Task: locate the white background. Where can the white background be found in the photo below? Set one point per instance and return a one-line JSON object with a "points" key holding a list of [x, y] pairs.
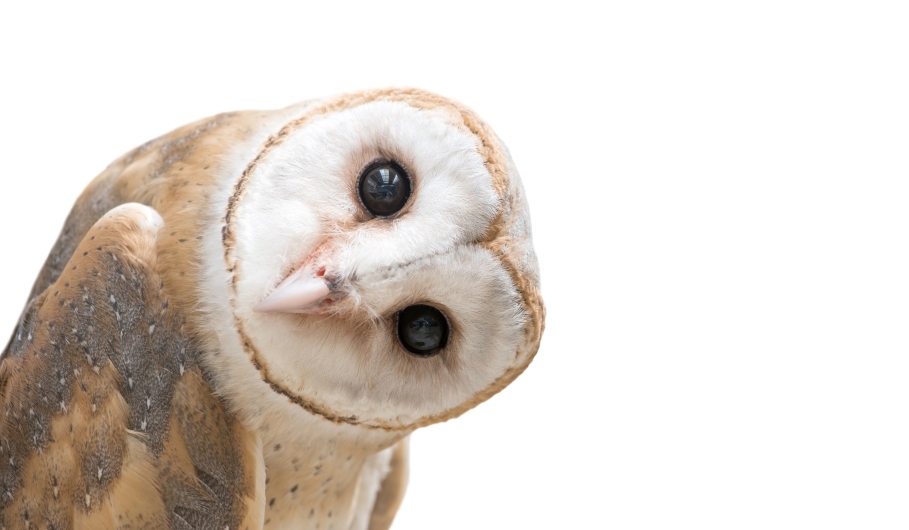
{"points": [[719, 197]]}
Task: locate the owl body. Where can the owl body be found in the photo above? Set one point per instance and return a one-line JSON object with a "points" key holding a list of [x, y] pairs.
{"points": [[221, 337]]}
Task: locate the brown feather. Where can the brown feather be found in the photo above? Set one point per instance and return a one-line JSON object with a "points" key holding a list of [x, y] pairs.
{"points": [[107, 415]]}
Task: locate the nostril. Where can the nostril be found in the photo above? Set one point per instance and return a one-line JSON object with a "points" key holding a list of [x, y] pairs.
{"points": [[321, 272]]}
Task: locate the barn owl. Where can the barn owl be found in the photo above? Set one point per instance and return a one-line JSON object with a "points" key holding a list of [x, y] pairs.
{"points": [[242, 321]]}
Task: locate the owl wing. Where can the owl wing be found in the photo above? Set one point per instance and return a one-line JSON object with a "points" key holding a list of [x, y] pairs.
{"points": [[108, 420], [391, 491]]}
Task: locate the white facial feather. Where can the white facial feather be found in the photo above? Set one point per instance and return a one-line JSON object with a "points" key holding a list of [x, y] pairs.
{"points": [[302, 197]]}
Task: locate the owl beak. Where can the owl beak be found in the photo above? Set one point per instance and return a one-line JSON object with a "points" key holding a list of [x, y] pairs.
{"points": [[301, 292]]}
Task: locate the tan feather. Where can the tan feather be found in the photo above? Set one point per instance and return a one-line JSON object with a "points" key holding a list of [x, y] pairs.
{"points": [[391, 493], [96, 432]]}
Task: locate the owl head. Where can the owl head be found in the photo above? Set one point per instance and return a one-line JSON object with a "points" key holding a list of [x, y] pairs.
{"points": [[377, 261]]}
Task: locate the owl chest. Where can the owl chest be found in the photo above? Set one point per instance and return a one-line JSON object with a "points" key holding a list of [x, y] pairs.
{"points": [[319, 487]]}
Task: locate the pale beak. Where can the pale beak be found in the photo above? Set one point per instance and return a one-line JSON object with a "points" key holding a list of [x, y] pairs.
{"points": [[301, 292]]}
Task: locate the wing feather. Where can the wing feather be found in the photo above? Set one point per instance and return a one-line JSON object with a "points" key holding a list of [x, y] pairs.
{"points": [[391, 492], [107, 418]]}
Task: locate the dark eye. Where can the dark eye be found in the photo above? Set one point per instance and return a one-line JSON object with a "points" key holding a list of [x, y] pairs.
{"points": [[384, 189], [422, 330]]}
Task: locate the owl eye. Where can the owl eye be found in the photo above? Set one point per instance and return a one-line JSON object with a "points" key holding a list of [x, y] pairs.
{"points": [[422, 330], [384, 189]]}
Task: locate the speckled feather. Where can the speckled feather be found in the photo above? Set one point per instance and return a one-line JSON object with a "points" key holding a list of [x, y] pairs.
{"points": [[109, 421]]}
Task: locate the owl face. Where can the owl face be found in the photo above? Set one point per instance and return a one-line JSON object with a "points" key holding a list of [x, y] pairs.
{"points": [[366, 282]]}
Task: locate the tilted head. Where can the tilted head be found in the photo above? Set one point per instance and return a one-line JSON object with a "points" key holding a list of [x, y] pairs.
{"points": [[378, 261]]}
